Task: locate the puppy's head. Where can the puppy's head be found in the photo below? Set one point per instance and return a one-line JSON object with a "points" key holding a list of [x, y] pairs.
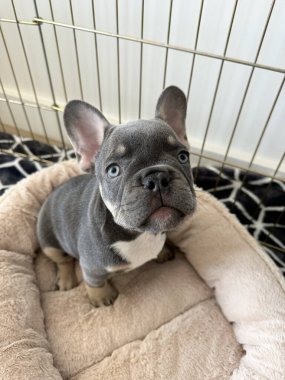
{"points": [[142, 167]]}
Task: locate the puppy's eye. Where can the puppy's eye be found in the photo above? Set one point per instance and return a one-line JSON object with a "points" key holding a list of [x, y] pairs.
{"points": [[183, 157], [113, 171]]}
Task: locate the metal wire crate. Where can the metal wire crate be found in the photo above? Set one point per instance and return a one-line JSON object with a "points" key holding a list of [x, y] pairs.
{"points": [[119, 55]]}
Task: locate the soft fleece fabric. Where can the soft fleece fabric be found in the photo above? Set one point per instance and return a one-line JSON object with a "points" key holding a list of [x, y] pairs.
{"points": [[216, 312]]}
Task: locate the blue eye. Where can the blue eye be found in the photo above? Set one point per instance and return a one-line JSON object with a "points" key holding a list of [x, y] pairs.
{"points": [[113, 171], [183, 157]]}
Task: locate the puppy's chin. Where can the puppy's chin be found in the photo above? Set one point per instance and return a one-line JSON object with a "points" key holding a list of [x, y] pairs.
{"points": [[163, 219]]}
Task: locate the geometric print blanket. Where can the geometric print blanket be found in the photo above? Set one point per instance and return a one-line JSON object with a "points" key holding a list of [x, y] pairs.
{"points": [[257, 201], [259, 204]]}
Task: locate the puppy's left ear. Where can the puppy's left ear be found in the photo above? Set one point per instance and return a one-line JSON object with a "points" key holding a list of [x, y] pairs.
{"points": [[171, 107]]}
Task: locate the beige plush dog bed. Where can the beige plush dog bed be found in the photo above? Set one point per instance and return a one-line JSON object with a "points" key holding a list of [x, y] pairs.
{"points": [[217, 312]]}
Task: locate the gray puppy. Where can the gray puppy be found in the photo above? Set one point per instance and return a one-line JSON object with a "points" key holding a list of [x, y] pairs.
{"points": [[138, 186]]}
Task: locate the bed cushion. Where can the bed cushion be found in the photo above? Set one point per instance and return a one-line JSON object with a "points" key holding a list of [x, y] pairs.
{"points": [[215, 312]]}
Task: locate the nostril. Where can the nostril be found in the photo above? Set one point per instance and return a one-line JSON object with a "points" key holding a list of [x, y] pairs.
{"points": [[164, 182], [150, 185], [157, 181]]}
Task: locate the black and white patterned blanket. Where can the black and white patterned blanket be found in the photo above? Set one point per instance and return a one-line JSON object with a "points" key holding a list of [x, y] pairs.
{"points": [[259, 204]]}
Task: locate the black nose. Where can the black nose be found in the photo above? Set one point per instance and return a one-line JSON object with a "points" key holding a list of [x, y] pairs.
{"points": [[156, 181]]}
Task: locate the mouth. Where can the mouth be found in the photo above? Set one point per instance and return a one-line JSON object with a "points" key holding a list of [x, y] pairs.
{"points": [[164, 218], [164, 213]]}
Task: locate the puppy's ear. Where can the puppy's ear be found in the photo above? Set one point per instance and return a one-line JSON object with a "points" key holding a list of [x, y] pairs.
{"points": [[171, 107], [85, 127]]}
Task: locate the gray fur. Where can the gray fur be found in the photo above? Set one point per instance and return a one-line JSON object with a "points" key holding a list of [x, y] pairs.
{"points": [[87, 214]]}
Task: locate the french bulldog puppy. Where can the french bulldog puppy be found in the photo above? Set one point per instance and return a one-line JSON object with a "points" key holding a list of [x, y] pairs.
{"points": [[137, 186]]}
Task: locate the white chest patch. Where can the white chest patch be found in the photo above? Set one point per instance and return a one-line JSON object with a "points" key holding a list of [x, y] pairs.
{"points": [[140, 250]]}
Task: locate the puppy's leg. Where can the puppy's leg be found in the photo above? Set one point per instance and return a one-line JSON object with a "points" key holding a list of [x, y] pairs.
{"points": [[66, 278], [167, 253], [104, 295]]}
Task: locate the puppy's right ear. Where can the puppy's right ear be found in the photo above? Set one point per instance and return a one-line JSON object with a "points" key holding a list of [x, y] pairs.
{"points": [[85, 126]]}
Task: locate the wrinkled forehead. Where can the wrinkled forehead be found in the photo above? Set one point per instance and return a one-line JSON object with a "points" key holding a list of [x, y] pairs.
{"points": [[143, 134]]}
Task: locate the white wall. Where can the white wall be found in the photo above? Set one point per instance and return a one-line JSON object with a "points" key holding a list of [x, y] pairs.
{"points": [[246, 33]]}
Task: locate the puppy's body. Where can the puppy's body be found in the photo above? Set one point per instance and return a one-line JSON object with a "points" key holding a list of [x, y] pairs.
{"points": [[90, 234], [116, 218]]}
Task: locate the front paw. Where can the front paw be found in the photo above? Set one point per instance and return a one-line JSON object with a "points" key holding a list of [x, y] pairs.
{"points": [[66, 282], [105, 295], [66, 278]]}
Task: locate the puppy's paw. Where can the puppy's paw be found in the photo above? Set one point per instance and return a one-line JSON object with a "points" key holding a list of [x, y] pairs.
{"points": [[105, 295], [167, 253], [66, 281]]}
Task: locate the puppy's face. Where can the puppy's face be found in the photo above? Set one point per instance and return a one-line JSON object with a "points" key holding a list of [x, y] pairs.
{"points": [[142, 167], [145, 176]]}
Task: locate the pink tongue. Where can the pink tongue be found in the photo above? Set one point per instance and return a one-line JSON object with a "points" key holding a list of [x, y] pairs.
{"points": [[163, 213]]}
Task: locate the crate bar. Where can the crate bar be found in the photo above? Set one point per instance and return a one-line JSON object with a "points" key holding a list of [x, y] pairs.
{"points": [[195, 49], [275, 224], [245, 92], [24, 22], [38, 20], [31, 78], [50, 80], [10, 110], [141, 60], [17, 84], [235, 166], [76, 51], [272, 246], [261, 201], [266, 192], [97, 57], [261, 135], [118, 64], [168, 37], [269, 234], [31, 105], [217, 85], [58, 53], [2, 125]]}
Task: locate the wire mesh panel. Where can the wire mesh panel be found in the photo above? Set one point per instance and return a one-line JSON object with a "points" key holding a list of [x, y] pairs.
{"points": [[227, 56]]}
